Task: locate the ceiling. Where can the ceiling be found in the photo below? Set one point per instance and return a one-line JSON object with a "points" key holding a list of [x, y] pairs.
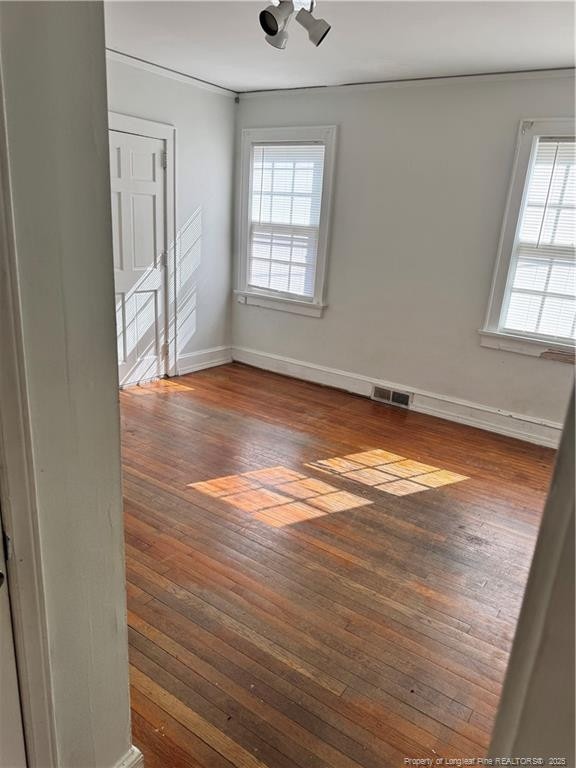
{"points": [[221, 42]]}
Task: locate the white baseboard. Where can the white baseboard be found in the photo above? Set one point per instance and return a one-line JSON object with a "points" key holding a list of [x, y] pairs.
{"points": [[204, 358], [132, 759], [529, 428]]}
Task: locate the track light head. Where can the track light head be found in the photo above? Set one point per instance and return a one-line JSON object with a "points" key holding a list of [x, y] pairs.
{"points": [[274, 20], [279, 40], [317, 28]]}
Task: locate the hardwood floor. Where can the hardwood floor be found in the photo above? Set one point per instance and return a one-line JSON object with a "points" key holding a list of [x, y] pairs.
{"points": [[267, 629]]}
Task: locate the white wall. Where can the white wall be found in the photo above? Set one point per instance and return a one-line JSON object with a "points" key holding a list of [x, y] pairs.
{"points": [[53, 70], [536, 713], [204, 123], [422, 173]]}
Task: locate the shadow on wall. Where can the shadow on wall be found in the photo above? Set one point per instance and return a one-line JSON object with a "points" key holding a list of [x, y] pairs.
{"points": [[189, 258]]}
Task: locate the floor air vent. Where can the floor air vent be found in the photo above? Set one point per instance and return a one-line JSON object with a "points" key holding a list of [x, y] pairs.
{"points": [[391, 396]]}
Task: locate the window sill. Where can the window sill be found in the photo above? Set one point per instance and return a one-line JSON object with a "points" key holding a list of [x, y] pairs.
{"points": [[280, 303], [547, 350]]}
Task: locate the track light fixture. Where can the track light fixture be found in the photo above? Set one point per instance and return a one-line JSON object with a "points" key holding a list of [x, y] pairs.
{"points": [[317, 28], [275, 19]]}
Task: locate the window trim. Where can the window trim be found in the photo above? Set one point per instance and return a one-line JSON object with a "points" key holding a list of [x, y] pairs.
{"points": [[287, 302], [492, 335]]}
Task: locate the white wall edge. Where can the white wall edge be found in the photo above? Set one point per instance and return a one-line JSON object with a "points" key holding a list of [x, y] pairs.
{"points": [[158, 69], [528, 74], [508, 423], [132, 759], [204, 358]]}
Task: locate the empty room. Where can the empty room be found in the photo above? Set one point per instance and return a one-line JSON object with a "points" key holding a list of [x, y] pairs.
{"points": [[289, 325]]}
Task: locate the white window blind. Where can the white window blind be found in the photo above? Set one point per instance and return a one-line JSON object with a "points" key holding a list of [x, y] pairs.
{"points": [[286, 186], [541, 290]]}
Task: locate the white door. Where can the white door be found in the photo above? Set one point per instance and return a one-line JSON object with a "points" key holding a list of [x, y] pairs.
{"points": [[137, 177], [12, 753]]}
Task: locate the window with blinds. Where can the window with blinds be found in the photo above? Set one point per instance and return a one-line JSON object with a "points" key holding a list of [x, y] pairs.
{"points": [[540, 299], [286, 201]]}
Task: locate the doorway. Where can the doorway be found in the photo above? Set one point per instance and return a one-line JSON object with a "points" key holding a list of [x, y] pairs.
{"points": [[141, 177]]}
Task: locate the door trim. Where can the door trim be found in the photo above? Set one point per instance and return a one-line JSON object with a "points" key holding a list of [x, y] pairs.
{"points": [[150, 129], [14, 726], [19, 503]]}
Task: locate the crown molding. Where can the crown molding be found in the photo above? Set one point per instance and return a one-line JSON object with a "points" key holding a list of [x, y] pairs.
{"points": [[158, 69], [528, 74]]}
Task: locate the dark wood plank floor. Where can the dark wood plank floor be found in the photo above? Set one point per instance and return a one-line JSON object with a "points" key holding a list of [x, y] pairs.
{"points": [[354, 638]]}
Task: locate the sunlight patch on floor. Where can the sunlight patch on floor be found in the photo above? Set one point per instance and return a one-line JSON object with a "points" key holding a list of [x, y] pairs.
{"points": [[276, 495], [280, 496], [387, 472], [157, 386]]}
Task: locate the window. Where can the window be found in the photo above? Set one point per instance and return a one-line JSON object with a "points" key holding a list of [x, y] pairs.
{"points": [[285, 203], [534, 291], [285, 220], [540, 293]]}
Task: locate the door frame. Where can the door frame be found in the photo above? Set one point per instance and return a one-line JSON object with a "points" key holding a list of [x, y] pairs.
{"points": [[19, 502], [140, 126], [15, 727]]}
